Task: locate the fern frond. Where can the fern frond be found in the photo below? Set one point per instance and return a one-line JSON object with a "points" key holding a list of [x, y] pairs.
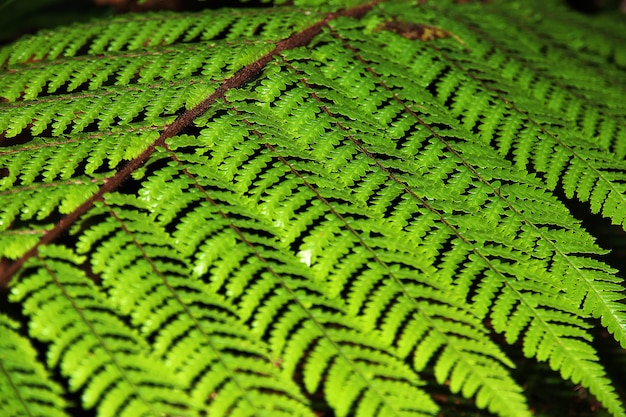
{"points": [[552, 238], [313, 210], [274, 296], [197, 334], [558, 143], [26, 388], [470, 371], [93, 348]]}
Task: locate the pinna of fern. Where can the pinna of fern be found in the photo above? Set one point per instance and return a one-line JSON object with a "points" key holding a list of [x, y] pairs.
{"points": [[288, 212]]}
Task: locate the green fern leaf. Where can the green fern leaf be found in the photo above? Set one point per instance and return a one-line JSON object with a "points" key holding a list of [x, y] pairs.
{"points": [[114, 373], [337, 209], [25, 385]]}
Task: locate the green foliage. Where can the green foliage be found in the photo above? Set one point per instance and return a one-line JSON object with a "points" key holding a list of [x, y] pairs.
{"points": [[199, 218], [25, 387]]}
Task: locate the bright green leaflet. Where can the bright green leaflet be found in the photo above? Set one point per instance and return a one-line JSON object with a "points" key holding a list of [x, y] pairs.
{"points": [[371, 217]]}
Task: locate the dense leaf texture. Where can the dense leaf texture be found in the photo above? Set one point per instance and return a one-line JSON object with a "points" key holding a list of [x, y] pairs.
{"points": [[338, 234]]}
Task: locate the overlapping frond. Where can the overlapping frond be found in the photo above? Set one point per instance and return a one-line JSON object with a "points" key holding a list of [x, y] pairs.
{"points": [[26, 388], [565, 125], [196, 332], [109, 103], [91, 344], [341, 229]]}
